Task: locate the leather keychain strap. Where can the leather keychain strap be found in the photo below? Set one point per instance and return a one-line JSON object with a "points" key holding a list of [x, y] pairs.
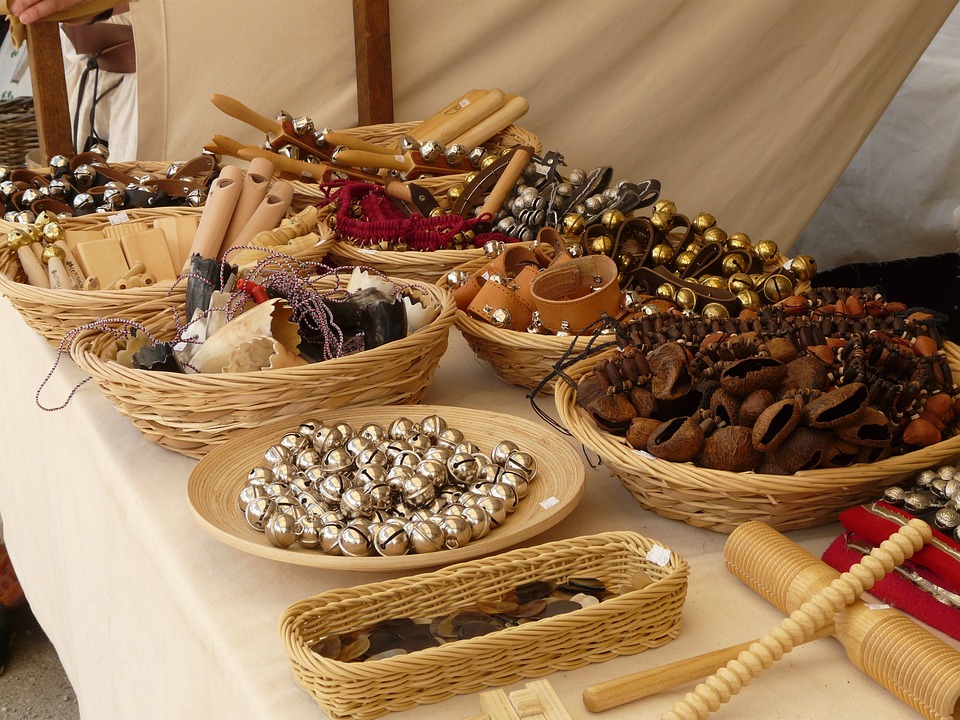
{"points": [[573, 295]]}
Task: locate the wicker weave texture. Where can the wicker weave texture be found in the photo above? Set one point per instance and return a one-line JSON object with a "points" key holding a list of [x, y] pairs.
{"points": [[722, 501], [18, 131], [626, 624], [191, 414]]}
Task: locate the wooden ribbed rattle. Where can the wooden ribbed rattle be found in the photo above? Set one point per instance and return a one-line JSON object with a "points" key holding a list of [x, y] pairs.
{"points": [[811, 617]]}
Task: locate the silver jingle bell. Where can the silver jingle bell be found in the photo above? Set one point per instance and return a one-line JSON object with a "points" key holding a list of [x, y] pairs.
{"points": [[285, 471], [370, 475], [397, 476], [196, 198], [372, 456], [276, 488], [332, 487], [57, 190], [465, 446], [454, 508], [437, 505], [328, 438], [433, 471], [431, 150], [456, 279], [295, 442], [307, 530], [308, 458], [916, 501], [261, 475], [432, 426], [395, 448], [391, 540], [308, 428], [438, 452], [456, 531], [420, 443], [947, 472], [501, 451], [926, 477], [83, 201], [450, 438], [455, 153], [358, 443], [463, 468], [373, 431], [489, 472], [259, 511], [478, 519], [946, 518], [517, 481], [280, 530], [406, 458], [84, 176], [248, 493], [401, 428], [417, 491], [495, 508], [475, 157], [59, 164], [507, 494], [355, 541], [354, 503], [114, 198], [346, 431], [337, 460], [425, 536], [482, 487], [277, 454], [303, 126], [522, 462], [379, 493], [493, 248], [329, 538]]}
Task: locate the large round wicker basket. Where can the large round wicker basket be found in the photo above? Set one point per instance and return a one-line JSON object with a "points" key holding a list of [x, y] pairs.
{"points": [[192, 414], [424, 266], [720, 500], [53, 313]]}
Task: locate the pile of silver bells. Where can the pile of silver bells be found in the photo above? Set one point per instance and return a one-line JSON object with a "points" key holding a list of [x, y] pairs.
{"points": [[406, 488], [936, 492]]}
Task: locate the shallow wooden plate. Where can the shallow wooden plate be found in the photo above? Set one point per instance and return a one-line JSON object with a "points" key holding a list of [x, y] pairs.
{"points": [[216, 481]]}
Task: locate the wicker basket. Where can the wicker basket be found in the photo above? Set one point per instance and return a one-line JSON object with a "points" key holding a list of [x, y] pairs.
{"points": [[720, 500], [424, 266], [18, 131], [54, 313], [625, 624], [192, 414]]}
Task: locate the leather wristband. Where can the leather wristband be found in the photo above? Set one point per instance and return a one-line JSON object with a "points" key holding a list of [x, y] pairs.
{"points": [[495, 296], [573, 295]]}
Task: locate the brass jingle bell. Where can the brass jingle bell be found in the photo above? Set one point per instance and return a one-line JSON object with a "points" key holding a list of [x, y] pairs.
{"points": [[433, 471], [804, 267], [666, 291], [456, 531], [53, 231], [495, 508], [735, 261], [258, 511], [425, 536], [418, 491], [478, 519], [740, 241], [373, 431], [738, 282], [626, 262], [749, 300], [391, 540], [600, 245], [572, 225], [662, 221], [507, 494], [523, 462], [454, 193], [702, 222], [17, 237], [329, 538], [777, 287], [715, 235], [432, 426], [517, 481], [354, 503], [307, 530], [767, 250], [667, 206], [715, 311], [281, 530], [502, 450], [662, 254], [684, 259], [686, 299], [355, 541], [44, 218], [401, 428], [612, 219]]}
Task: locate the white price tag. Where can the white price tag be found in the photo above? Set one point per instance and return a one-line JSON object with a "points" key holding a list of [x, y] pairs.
{"points": [[877, 605], [549, 502], [120, 217], [658, 555], [645, 454]]}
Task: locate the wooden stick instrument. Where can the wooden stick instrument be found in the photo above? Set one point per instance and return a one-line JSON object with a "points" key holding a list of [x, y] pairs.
{"points": [[512, 110]]}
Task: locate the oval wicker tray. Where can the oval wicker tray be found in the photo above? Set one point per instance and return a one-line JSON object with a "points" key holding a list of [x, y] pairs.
{"points": [[216, 482], [720, 500], [622, 625], [192, 414]]}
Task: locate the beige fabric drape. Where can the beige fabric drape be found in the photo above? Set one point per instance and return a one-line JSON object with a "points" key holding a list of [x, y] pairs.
{"points": [[748, 110]]}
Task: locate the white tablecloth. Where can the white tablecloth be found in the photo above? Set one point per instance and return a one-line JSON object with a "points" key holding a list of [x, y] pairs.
{"points": [[154, 618]]}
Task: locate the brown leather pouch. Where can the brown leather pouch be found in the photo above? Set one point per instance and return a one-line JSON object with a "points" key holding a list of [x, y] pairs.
{"points": [[111, 44]]}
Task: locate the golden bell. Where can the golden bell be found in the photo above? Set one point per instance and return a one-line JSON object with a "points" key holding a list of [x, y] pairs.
{"points": [[713, 281], [738, 282], [735, 262], [667, 206], [686, 299], [601, 245], [52, 232], [767, 250], [611, 219], [626, 261], [715, 311], [740, 241], [777, 287], [437, 212], [17, 237], [45, 217], [35, 233], [683, 259], [469, 177], [51, 251], [666, 291], [662, 254], [487, 161], [662, 220], [573, 224], [703, 221], [749, 300], [804, 266], [454, 193], [758, 280], [714, 234]]}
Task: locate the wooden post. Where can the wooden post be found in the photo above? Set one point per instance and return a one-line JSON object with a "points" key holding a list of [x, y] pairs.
{"points": [[371, 32], [49, 90]]}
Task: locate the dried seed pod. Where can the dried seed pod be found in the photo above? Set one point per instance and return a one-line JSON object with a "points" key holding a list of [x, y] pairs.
{"points": [[729, 448], [726, 406], [781, 349], [678, 440], [644, 402], [754, 404], [638, 434], [925, 346], [612, 412], [803, 450], [840, 406], [776, 424], [873, 429], [742, 377], [589, 388], [808, 372]]}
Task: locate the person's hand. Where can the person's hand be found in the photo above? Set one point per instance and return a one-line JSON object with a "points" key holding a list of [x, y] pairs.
{"points": [[29, 11]]}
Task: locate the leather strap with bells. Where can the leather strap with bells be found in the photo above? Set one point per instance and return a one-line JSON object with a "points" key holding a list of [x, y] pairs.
{"points": [[649, 279], [573, 295], [502, 302]]}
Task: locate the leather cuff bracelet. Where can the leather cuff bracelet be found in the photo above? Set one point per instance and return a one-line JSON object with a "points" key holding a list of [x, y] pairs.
{"points": [[573, 295]]}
